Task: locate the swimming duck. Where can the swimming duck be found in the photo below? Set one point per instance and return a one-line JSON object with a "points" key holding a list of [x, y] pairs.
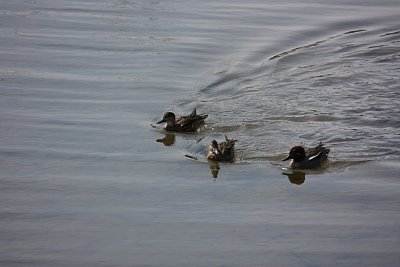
{"points": [[310, 159], [224, 152], [184, 124]]}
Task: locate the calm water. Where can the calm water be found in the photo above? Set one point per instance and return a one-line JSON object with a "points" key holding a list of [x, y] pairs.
{"points": [[84, 182]]}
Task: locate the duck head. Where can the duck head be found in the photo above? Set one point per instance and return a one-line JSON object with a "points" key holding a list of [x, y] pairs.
{"points": [[214, 144], [168, 117], [297, 153], [214, 149]]}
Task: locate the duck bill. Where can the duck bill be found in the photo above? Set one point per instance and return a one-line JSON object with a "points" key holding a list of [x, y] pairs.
{"points": [[161, 121], [287, 158]]}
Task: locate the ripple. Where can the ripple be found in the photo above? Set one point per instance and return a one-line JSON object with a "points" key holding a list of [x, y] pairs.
{"points": [[339, 90]]}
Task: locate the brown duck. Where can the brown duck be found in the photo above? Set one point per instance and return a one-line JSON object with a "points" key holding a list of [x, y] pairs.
{"points": [[223, 152], [184, 124]]}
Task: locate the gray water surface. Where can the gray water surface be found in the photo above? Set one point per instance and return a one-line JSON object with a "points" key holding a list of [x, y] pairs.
{"points": [[84, 182]]}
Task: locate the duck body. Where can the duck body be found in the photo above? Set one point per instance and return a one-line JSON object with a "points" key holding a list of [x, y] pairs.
{"points": [[184, 124], [307, 159], [223, 152]]}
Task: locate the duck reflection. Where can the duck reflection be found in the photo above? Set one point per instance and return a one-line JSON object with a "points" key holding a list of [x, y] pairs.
{"points": [[295, 177], [214, 168], [168, 140]]}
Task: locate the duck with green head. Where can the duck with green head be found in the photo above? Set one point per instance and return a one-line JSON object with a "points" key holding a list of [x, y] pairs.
{"points": [[307, 159]]}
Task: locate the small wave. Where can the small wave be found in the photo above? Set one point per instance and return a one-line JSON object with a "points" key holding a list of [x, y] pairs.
{"points": [[331, 90]]}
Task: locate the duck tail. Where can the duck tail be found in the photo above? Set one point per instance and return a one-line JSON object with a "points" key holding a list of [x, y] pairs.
{"points": [[323, 148], [202, 116]]}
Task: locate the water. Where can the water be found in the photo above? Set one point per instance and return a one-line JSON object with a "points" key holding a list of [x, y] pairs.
{"points": [[84, 182]]}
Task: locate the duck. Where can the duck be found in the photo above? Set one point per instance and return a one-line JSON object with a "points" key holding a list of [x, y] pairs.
{"points": [[307, 159], [184, 124], [223, 152]]}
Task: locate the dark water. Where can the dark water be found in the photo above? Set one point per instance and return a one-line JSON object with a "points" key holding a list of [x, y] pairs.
{"points": [[83, 181]]}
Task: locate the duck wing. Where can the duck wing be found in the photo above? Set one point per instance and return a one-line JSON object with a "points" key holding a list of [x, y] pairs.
{"points": [[315, 151], [316, 157], [199, 117], [320, 157]]}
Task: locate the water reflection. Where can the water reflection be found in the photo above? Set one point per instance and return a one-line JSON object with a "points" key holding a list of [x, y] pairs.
{"points": [[298, 176], [295, 177], [168, 140], [214, 167]]}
